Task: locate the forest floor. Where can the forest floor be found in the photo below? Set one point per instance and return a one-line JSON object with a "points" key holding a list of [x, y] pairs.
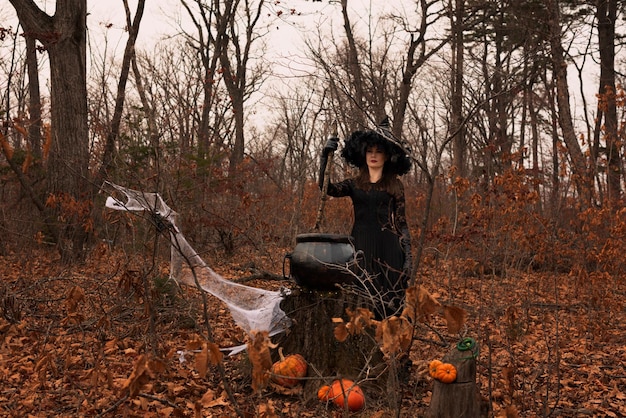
{"points": [[550, 344]]}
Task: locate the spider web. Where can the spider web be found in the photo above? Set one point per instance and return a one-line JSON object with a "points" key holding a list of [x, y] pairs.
{"points": [[253, 309]]}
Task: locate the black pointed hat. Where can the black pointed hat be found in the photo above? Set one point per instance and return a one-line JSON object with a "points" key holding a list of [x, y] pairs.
{"points": [[399, 161]]}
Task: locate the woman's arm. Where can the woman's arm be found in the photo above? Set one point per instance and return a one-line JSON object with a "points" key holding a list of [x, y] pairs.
{"points": [[341, 189]]}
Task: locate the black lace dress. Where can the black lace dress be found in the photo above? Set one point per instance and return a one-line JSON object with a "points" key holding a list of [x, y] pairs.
{"points": [[381, 232]]}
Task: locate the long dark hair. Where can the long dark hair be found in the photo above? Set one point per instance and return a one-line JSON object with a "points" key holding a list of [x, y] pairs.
{"points": [[389, 182]]}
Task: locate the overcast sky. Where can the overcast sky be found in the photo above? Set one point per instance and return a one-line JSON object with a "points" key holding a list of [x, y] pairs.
{"points": [[285, 39], [286, 34]]}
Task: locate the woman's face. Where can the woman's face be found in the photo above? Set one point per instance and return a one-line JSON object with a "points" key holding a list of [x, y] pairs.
{"points": [[375, 157]]}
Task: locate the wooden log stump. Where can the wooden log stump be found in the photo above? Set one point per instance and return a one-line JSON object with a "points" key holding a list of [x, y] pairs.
{"points": [[460, 398], [312, 336]]}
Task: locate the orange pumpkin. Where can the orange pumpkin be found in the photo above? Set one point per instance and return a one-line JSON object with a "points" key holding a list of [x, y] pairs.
{"points": [[344, 393], [445, 373], [432, 367], [288, 370], [323, 392]]}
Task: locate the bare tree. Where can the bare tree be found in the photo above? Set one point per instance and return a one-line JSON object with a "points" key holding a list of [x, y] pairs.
{"points": [[606, 15], [234, 45], [203, 43], [63, 36], [34, 97], [459, 143], [366, 79], [225, 34], [559, 67], [129, 53]]}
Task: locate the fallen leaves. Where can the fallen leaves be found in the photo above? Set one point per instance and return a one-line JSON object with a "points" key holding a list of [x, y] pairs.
{"points": [[50, 365], [146, 368], [209, 355]]}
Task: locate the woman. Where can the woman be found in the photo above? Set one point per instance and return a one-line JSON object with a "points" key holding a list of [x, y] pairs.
{"points": [[380, 228]]}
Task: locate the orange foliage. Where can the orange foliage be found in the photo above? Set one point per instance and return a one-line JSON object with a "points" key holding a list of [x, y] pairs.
{"points": [[28, 161], [419, 305], [394, 334], [7, 149], [72, 210], [260, 357], [47, 143]]}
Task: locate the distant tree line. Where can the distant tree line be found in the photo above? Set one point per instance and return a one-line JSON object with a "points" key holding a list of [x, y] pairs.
{"points": [[478, 88]]}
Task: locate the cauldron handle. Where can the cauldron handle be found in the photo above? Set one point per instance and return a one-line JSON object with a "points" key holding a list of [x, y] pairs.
{"points": [[359, 261], [287, 256]]}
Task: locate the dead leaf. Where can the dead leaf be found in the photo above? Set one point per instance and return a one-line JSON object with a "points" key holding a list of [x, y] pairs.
{"points": [[110, 347], [202, 360], [138, 377], [282, 390], [6, 147], [221, 401], [455, 318], [419, 304], [146, 368], [195, 344], [215, 354], [341, 332], [394, 335], [267, 410], [511, 412], [261, 359], [73, 298], [207, 398]]}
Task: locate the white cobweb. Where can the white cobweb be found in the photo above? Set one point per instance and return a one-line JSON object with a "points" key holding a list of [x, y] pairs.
{"points": [[252, 309]]}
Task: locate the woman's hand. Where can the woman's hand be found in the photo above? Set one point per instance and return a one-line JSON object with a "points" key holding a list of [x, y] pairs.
{"points": [[331, 145]]}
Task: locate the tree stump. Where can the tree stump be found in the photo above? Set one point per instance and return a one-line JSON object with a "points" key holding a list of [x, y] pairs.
{"points": [[460, 398], [312, 336]]}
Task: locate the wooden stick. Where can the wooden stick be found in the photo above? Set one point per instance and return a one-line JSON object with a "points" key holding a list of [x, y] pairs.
{"points": [[324, 196]]}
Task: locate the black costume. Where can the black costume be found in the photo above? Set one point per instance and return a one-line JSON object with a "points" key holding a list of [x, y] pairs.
{"points": [[380, 228]]}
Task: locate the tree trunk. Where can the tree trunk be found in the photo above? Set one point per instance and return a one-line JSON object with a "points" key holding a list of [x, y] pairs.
{"points": [[34, 129], [353, 58], [68, 174], [459, 144], [606, 14], [64, 37], [459, 398], [237, 152], [235, 65], [559, 66], [312, 336]]}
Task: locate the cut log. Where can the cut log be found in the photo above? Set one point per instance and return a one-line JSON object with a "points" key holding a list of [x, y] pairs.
{"points": [[460, 398], [312, 336]]}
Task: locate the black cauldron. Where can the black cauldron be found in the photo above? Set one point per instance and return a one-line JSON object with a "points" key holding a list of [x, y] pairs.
{"points": [[319, 261]]}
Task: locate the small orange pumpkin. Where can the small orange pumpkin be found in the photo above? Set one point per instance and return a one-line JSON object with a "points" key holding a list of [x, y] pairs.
{"points": [[432, 367], [288, 370], [344, 393], [323, 392], [446, 373]]}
